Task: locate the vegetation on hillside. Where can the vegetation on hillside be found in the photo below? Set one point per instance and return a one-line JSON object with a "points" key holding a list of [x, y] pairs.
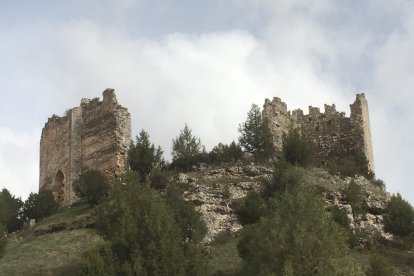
{"points": [[141, 225]]}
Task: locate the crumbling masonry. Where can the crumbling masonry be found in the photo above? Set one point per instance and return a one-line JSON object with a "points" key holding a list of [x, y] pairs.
{"points": [[95, 135], [333, 135]]}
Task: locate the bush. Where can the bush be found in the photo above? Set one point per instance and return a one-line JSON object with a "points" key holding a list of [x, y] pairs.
{"points": [[351, 166], [143, 156], [399, 218], [340, 216], [285, 178], [10, 211], [159, 179], [296, 238], [3, 240], [192, 226], [249, 209], [98, 261], [380, 266], [223, 153], [144, 237], [296, 150], [38, 206], [354, 196], [378, 183], [91, 186]]}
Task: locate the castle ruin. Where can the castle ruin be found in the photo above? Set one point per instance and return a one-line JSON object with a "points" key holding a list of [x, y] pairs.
{"points": [[95, 135], [333, 135]]}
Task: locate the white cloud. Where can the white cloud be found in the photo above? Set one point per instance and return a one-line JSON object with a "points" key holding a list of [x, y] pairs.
{"points": [[209, 80], [18, 161]]}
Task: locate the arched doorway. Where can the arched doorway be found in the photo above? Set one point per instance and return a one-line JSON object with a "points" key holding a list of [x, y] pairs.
{"points": [[59, 187]]}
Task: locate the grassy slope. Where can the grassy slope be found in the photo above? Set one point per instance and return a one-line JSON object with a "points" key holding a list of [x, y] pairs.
{"points": [[54, 246]]}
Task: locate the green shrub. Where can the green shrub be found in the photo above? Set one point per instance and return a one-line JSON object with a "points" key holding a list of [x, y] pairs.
{"points": [[223, 153], [38, 206], [296, 150], [98, 261], [144, 237], [160, 179], [91, 186], [143, 156], [378, 183], [285, 178], [354, 196], [190, 222], [357, 164], [399, 218], [340, 216], [10, 211], [380, 266], [296, 238], [3, 240], [249, 209]]}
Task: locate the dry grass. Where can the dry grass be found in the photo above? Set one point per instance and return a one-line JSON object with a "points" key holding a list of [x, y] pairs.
{"points": [[50, 254]]}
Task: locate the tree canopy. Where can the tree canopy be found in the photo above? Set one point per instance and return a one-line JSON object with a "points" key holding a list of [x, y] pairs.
{"points": [[255, 136], [143, 156]]}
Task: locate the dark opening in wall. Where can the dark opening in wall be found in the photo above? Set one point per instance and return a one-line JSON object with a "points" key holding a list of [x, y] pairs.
{"points": [[59, 187]]}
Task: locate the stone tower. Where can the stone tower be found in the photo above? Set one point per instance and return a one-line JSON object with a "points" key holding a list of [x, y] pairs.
{"points": [[95, 135], [333, 135]]}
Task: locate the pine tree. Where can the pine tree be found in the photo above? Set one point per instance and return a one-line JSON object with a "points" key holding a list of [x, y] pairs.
{"points": [[185, 148], [143, 156], [255, 136]]}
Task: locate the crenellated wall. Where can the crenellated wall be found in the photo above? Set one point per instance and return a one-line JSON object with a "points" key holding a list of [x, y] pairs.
{"points": [[95, 135], [333, 135]]}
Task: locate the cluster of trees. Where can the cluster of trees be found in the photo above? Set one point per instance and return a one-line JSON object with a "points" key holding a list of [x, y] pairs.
{"points": [[14, 212], [288, 231], [146, 233], [292, 234]]}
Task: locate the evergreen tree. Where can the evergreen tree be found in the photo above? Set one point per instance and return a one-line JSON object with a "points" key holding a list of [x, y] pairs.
{"points": [[3, 239], [297, 150], [10, 211], [38, 206], [143, 156], [296, 237], [399, 219], [143, 236], [255, 136], [91, 186], [185, 148]]}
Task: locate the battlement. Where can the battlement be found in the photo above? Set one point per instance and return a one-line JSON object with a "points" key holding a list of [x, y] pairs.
{"points": [[333, 135], [94, 135]]}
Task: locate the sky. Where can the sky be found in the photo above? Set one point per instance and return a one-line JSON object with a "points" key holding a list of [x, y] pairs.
{"points": [[204, 62]]}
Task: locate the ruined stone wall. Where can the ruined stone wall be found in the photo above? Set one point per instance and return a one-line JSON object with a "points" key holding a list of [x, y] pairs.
{"points": [[95, 135], [333, 135]]}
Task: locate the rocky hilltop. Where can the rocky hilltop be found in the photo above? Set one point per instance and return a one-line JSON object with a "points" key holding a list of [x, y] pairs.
{"points": [[213, 191]]}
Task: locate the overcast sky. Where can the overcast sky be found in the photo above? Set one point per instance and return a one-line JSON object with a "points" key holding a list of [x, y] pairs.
{"points": [[204, 62]]}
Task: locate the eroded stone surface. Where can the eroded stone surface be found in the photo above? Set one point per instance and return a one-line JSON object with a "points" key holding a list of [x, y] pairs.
{"points": [[95, 135]]}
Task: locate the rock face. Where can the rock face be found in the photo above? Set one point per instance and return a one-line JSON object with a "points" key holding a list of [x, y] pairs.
{"points": [[213, 191], [95, 135], [334, 136]]}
